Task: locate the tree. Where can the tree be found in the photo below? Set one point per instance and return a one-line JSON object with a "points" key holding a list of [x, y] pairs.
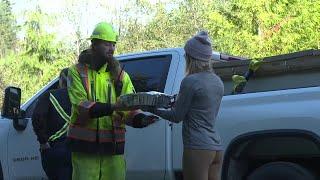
{"points": [[167, 27], [8, 28], [264, 28], [246, 28], [37, 40], [76, 14], [39, 60]]}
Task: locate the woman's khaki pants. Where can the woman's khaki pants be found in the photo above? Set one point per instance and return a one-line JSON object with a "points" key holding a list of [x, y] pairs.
{"points": [[201, 164]]}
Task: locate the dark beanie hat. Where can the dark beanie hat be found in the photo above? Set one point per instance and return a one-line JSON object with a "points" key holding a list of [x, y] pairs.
{"points": [[199, 47]]}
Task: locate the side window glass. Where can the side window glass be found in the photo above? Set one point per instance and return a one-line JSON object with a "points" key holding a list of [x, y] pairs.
{"points": [[148, 74]]}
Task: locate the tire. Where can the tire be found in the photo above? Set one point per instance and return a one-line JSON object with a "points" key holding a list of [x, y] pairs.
{"points": [[281, 171]]}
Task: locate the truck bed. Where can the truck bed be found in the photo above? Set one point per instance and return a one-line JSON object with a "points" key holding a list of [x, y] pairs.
{"points": [[288, 71]]}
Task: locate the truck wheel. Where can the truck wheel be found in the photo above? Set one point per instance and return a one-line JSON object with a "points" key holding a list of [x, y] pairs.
{"points": [[281, 171]]}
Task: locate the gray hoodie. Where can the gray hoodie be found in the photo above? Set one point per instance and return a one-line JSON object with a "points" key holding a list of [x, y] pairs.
{"points": [[197, 106]]}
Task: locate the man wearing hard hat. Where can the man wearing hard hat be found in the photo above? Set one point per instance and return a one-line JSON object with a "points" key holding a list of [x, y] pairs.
{"points": [[97, 130]]}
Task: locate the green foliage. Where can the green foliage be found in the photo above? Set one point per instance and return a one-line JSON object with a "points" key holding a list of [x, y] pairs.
{"points": [[40, 59], [8, 28], [264, 28], [251, 28], [248, 28], [28, 73], [167, 28], [38, 41]]}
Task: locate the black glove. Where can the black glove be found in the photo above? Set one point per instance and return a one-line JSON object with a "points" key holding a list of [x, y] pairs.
{"points": [[149, 119], [142, 120]]}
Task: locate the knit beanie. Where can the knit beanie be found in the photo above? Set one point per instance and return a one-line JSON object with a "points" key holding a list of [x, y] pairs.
{"points": [[199, 47]]}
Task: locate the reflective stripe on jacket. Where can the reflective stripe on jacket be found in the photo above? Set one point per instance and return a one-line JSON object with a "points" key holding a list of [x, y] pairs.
{"points": [[63, 115]]}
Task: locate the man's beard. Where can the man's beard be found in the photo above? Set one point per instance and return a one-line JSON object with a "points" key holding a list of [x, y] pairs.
{"points": [[98, 61]]}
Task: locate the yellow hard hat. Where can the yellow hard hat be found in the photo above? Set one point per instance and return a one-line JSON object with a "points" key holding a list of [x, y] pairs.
{"points": [[104, 31]]}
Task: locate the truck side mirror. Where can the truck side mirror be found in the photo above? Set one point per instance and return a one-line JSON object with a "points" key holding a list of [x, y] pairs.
{"points": [[11, 108], [11, 102]]}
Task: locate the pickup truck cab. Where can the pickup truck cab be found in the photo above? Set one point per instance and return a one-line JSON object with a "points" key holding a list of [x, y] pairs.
{"points": [[272, 127]]}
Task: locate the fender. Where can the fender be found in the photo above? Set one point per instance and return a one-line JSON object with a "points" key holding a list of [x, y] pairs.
{"points": [[265, 133]]}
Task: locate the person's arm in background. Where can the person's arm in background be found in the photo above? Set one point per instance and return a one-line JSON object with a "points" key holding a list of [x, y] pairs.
{"points": [[39, 120], [181, 106]]}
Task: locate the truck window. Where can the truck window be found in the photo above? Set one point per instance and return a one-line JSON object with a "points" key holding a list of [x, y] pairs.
{"points": [[148, 74]]}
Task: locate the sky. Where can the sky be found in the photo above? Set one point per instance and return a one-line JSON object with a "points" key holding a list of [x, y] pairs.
{"points": [[64, 27], [92, 11]]}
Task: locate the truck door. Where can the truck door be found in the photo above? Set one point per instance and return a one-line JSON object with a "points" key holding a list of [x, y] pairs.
{"points": [[24, 160], [146, 149], [4, 131]]}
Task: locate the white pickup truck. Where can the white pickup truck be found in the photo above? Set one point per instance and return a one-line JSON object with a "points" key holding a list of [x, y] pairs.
{"points": [[270, 130]]}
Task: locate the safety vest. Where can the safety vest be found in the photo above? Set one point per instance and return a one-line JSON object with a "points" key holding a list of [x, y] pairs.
{"points": [[91, 135], [63, 115]]}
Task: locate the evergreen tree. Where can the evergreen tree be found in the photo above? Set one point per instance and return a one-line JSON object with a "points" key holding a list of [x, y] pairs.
{"points": [[8, 28]]}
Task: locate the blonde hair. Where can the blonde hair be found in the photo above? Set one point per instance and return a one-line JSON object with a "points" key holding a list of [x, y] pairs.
{"points": [[195, 66]]}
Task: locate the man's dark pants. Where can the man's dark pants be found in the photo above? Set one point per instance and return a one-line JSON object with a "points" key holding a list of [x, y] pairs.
{"points": [[56, 161]]}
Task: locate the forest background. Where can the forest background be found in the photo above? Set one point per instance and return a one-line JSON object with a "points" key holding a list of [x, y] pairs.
{"points": [[36, 42]]}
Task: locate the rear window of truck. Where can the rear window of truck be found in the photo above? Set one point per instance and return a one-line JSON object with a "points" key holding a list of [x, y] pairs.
{"points": [[148, 73]]}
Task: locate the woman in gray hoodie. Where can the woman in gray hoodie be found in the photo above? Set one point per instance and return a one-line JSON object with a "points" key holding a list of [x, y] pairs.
{"points": [[197, 106]]}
